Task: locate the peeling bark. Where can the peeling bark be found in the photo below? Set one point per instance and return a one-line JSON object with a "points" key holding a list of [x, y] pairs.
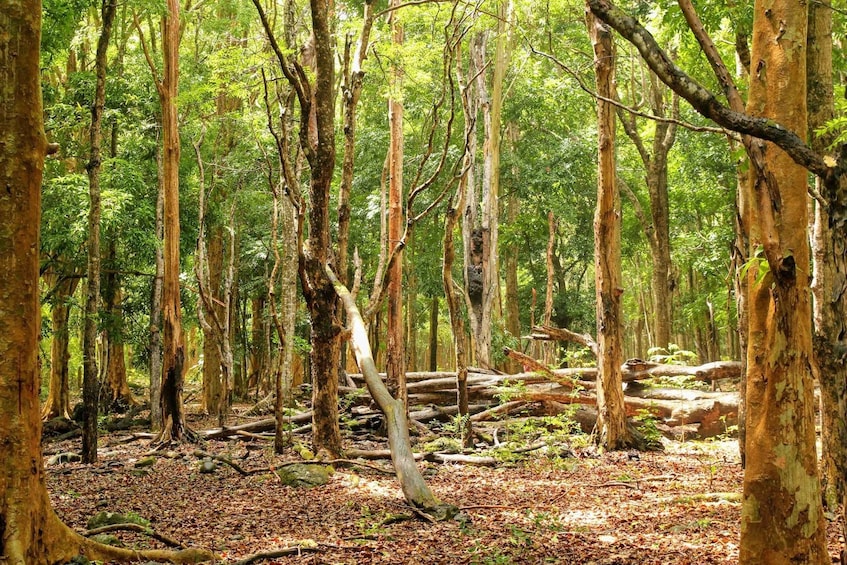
{"points": [[611, 419]]}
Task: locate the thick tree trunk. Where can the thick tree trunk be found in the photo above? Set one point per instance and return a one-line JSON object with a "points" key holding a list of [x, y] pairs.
{"points": [[120, 396], [782, 520], [30, 532], [58, 404], [611, 419], [320, 294]]}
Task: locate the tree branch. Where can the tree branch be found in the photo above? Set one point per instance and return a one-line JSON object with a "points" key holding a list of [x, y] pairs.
{"points": [[704, 101]]}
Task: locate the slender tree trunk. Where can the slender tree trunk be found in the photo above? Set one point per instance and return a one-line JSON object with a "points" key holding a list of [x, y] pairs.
{"points": [[415, 489], [452, 292], [396, 350], [90, 384], [548, 297], [492, 113], [411, 291], [611, 415], [211, 265], [513, 316], [657, 227], [352, 90], [258, 345], [433, 334], [781, 518], [155, 343], [58, 403]]}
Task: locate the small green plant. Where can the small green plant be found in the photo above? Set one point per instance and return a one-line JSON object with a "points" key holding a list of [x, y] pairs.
{"points": [[673, 355], [457, 425], [580, 357], [519, 537], [511, 390], [648, 425]]}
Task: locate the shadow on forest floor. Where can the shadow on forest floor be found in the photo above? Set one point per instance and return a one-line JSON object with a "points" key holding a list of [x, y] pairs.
{"points": [[674, 507]]}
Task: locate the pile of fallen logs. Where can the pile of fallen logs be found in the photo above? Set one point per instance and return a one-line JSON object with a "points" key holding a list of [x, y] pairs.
{"points": [[679, 412]]}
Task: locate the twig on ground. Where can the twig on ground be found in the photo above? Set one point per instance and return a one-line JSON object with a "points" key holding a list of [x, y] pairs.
{"points": [[273, 553]]}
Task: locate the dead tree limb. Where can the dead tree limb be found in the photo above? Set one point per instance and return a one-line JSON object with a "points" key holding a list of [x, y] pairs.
{"points": [[545, 332], [415, 489]]}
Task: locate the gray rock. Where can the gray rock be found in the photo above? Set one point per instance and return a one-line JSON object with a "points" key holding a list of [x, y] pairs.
{"points": [[304, 474], [145, 462], [207, 466]]}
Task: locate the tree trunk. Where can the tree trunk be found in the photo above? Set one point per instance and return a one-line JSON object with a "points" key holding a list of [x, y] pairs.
{"points": [[90, 383], [120, 397], [611, 420], [212, 263], [657, 228], [433, 334], [155, 342], [173, 359], [58, 404], [548, 297], [829, 247], [396, 350], [781, 520], [258, 346], [319, 292], [411, 312], [30, 531], [513, 316]]}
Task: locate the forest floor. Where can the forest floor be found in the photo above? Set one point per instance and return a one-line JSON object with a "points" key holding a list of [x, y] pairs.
{"points": [[679, 506]]}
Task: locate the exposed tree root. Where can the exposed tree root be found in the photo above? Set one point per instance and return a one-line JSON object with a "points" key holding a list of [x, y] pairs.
{"points": [[130, 527], [63, 544]]}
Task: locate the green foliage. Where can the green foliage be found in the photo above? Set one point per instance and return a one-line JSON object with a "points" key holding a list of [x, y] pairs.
{"points": [[648, 425], [673, 355]]}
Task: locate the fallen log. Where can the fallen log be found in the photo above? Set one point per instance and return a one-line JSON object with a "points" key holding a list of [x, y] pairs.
{"points": [[264, 425]]}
